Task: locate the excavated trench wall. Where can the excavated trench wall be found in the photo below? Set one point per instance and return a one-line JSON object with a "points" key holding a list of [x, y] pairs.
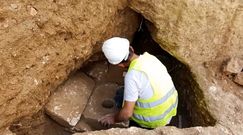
{"points": [[41, 42]]}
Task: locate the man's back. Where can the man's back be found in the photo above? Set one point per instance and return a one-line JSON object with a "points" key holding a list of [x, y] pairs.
{"points": [[147, 75], [137, 84]]}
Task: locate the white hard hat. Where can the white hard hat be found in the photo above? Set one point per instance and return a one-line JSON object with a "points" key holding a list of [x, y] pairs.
{"points": [[116, 49]]}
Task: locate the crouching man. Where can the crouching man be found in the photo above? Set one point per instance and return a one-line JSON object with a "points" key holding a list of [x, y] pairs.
{"points": [[150, 98]]}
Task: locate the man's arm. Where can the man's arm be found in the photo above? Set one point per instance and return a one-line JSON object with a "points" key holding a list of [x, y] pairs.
{"points": [[123, 115], [126, 112]]}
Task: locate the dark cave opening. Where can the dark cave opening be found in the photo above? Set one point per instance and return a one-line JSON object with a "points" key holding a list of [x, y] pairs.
{"points": [[189, 112]]}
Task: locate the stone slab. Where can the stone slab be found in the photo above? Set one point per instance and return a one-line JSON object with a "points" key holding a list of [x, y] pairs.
{"points": [[68, 102], [95, 110], [102, 92]]}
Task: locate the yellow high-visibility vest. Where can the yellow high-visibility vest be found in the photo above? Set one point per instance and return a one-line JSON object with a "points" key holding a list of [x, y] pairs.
{"points": [[162, 106]]}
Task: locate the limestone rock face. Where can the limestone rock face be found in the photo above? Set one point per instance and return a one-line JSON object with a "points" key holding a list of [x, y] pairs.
{"points": [[41, 42], [67, 103], [203, 35]]}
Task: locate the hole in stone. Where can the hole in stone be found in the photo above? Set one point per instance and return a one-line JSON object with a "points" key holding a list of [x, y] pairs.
{"points": [[108, 103], [192, 109]]}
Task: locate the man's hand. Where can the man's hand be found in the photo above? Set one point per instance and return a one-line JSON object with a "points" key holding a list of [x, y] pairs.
{"points": [[123, 115], [107, 120]]}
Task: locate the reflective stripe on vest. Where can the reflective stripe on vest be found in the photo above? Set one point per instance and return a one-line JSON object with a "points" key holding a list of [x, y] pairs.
{"points": [[154, 118], [157, 102], [157, 110]]}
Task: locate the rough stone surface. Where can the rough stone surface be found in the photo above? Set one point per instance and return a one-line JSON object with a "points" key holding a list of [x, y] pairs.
{"points": [[234, 65], [94, 110], [97, 70], [217, 130], [239, 78], [203, 35], [82, 126], [117, 131], [41, 42], [102, 71], [68, 102], [7, 132], [38, 124]]}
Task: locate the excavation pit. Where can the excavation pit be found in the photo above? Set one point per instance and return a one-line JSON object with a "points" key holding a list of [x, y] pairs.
{"points": [[108, 78]]}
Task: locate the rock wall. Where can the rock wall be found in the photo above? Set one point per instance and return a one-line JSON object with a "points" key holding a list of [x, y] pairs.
{"points": [[41, 42], [204, 35]]}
